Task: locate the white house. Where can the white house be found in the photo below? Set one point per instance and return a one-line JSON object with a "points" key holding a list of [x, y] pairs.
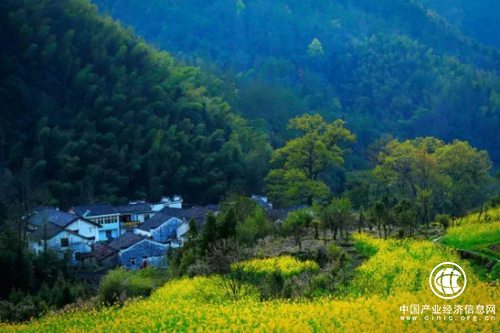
{"points": [[104, 215], [66, 243], [133, 214], [136, 251], [167, 202], [70, 222], [182, 230], [262, 201], [171, 224], [161, 227]]}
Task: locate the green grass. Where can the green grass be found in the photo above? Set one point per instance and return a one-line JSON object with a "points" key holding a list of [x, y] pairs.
{"points": [[476, 237]]}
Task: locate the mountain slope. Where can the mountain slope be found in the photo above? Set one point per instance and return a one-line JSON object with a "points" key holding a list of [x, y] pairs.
{"points": [[477, 19], [390, 66], [98, 114]]}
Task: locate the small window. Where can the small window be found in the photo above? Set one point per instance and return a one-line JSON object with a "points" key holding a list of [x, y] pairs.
{"points": [[132, 261], [64, 242]]}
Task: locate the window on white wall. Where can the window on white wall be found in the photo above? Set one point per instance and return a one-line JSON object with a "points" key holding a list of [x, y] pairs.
{"points": [[132, 261], [64, 242]]}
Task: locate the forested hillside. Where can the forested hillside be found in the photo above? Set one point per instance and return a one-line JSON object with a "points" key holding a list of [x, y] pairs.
{"points": [[392, 66], [97, 114], [478, 19]]}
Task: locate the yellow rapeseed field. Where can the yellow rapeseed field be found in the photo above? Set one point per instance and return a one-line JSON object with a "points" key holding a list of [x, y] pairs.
{"points": [[395, 275], [473, 236], [286, 265], [490, 215]]}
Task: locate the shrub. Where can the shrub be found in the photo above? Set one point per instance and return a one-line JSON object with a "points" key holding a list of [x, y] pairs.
{"points": [[288, 289], [138, 286], [19, 312], [272, 286], [112, 286], [119, 285], [319, 285], [321, 256], [333, 252], [495, 272]]}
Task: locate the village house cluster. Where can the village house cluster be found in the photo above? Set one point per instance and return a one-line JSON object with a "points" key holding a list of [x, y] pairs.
{"points": [[133, 236], [101, 235]]}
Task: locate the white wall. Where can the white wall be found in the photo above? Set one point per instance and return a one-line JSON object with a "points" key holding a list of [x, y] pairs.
{"points": [[84, 228], [76, 244], [141, 232], [114, 227], [182, 230]]}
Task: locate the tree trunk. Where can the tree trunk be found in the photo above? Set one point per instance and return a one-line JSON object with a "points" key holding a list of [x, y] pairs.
{"points": [[340, 224], [361, 219], [480, 213]]}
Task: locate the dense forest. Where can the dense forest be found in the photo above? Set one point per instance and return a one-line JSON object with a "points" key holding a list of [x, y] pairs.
{"points": [[389, 66], [471, 17], [92, 113]]}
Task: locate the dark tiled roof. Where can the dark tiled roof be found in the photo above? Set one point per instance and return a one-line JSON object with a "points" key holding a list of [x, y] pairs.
{"points": [[133, 209], [94, 210], [155, 221], [281, 214], [101, 251], [51, 214], [196, 212], [125, 240], [212, 207], [46, 232], [54, 215], [262, 203]]}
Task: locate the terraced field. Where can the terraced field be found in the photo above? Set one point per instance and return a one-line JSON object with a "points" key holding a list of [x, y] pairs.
{"points": [[395, 275]]}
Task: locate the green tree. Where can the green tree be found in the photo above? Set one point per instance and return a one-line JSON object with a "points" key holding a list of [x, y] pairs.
{"points": [[192, 234], [326, 215], [295, 225], [342, 209], [361, 219], [466, 174], [227, 227], [405, 216], [379, 215], [315, 49], [443, 220], [450, 178], [240, 6], [209, 232], [304, 160]]}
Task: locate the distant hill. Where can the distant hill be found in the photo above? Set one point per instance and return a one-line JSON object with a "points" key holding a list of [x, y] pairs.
{"points": [[97, 114], [390, 66], [477, 19]]}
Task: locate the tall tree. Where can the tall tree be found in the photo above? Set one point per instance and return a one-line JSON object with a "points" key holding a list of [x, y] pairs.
{"points": [[466, 173], [304, 159], [209, 232], [295, 225]]}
